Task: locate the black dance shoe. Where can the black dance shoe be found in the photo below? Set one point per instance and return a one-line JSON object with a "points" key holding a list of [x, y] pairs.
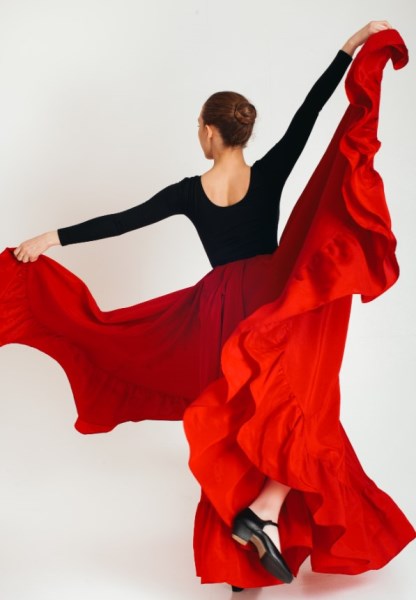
{"points": [[248, 527], [236, 589]]}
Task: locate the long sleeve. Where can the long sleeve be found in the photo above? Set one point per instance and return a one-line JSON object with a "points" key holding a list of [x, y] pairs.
{"points": [[281, 158], [172, 200]]}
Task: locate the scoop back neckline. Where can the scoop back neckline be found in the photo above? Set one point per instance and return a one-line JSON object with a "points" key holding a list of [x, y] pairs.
{"points": [[208, 199]]}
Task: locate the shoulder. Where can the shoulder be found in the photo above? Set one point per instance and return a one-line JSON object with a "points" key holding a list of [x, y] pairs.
{"points": [[259, 168], [188, 185], [184, 193], [186, 182], [180, 188]]}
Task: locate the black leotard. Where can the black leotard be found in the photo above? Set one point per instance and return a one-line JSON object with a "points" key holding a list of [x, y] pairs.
{"points": [[241, 230]]}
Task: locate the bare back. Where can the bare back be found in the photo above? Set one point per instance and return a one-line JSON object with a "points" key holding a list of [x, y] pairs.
{"points": [[225, 188]]}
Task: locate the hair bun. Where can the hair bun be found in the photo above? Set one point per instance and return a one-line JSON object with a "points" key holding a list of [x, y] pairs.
{"points": [[245, 113], [232, 114]]}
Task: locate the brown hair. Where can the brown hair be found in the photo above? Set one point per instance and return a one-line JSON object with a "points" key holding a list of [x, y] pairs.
{"points": [[232, 114]]}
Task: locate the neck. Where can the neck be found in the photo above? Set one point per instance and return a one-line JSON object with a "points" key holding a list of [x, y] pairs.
{"points": [[229, 158]]}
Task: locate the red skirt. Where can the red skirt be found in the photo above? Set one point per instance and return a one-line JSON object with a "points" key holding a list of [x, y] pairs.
{"points": [[249, 358]]}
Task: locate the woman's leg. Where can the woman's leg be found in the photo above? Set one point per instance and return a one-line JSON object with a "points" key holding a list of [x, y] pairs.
{"points": [[267, 506]]}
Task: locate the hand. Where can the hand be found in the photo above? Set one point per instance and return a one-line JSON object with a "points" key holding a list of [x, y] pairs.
{"points": [[363, 34], [30, 250]]}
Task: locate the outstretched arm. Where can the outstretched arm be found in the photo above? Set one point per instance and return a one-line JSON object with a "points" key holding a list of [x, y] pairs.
{"points": [[279, 161], [169, 201]]}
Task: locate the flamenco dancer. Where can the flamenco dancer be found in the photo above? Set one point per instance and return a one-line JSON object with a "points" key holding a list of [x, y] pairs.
{"points": [[249, 357]]}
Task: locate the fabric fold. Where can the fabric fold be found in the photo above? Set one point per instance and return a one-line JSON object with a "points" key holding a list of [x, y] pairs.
{"points": [[284, 361]]}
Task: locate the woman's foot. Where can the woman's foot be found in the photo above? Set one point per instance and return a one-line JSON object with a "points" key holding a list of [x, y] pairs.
{"points": [[267, 507], [271, 530], [248, 527]]}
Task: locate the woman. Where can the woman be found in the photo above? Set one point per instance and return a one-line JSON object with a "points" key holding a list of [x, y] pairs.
{"points": [[235, 209]]}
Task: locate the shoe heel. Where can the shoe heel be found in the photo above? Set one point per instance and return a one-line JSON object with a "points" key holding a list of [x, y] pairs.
{"points": [[241, 533]]}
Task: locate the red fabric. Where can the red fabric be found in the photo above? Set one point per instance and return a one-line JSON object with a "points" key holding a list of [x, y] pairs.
{"points": [[249, 357], [275, 412]]}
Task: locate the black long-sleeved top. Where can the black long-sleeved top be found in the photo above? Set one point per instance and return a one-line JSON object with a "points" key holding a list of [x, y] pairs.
{"points": [[243, 229]]}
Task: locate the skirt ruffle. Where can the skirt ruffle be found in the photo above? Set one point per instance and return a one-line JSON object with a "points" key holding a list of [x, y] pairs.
{"points": [[249, 358], [275, 411]]}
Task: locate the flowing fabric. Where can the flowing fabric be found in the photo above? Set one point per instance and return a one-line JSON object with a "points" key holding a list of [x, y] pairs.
{"points": [[275, 411], [249, 358]]}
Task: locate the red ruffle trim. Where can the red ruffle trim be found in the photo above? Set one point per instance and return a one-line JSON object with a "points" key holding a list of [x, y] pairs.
{"points": [[275, 412]]}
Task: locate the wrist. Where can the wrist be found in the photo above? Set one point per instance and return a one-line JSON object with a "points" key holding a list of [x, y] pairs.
{"points": [[52, 238], [350, 46]]}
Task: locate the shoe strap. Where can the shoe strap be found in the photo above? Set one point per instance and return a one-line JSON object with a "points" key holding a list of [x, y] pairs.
{"points": [[253, 515], [269, 523]]}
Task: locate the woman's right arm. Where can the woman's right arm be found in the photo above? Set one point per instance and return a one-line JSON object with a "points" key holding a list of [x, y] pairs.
{"points": [[172, 200], [279, 161], [281, 158], [362, 35]]}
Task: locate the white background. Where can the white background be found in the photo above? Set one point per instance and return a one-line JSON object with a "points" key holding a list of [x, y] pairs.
{"points": [[99, 102]]}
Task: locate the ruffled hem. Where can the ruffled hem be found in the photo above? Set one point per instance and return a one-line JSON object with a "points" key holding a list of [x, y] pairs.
{"points": [[45, 306], [275, 413]]}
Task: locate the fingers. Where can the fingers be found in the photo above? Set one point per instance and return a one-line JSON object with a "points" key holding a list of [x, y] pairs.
{"points": [[30, 250], [375, 26], [368, 30], [27, 252], [21, 254], [18, 253]]}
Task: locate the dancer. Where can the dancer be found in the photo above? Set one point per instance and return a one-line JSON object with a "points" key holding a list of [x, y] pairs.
{"points": [[235, 209]]}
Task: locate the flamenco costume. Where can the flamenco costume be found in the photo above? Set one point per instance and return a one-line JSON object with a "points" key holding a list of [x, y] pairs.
{"points": [[248, 357]]}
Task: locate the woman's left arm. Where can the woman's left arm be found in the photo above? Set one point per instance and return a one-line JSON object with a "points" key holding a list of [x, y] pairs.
{"points": [[172, 200]]}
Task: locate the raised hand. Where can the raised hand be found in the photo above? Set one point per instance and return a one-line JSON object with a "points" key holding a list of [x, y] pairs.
{"points": [[363, 34]]}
